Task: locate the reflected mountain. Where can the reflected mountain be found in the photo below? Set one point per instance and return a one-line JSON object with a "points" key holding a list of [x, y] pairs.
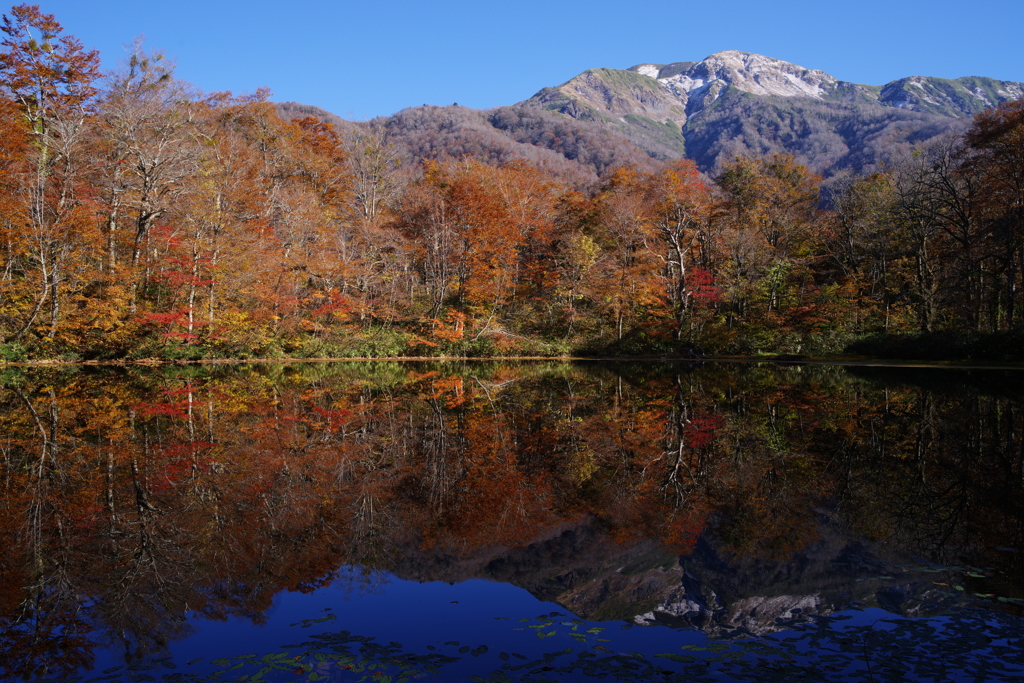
{"points": [[590, 575]]}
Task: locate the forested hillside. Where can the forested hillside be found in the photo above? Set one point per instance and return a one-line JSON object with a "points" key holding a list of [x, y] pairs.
{"points": [[575, 150], [141, 218], [828, 137]]}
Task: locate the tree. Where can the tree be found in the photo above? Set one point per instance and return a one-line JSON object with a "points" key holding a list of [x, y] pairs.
{"points": [[469, 223], [998, 137], [776, 196], [149, 120], [374, 163], [15, 169], [915, 210], [869, 247], [629, 285], [683, 213], [771, 205], [46, 73], [51, 78]]}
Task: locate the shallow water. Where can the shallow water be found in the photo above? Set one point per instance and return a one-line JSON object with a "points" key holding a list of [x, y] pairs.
{"points": [[511, 521]]}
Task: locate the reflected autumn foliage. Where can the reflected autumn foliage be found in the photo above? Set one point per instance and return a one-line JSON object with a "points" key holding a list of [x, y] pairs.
{"points": [[131, 500]]}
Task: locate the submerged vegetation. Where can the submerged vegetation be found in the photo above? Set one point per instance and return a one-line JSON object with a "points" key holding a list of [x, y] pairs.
{"points": [[141, 219], [966, 647]]}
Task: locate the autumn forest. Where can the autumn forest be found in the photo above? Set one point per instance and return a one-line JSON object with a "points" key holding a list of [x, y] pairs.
{"points": [[141, 218]]}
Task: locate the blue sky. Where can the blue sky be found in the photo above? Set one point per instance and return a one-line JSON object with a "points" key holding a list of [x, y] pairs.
{"points": [[374, 57]]}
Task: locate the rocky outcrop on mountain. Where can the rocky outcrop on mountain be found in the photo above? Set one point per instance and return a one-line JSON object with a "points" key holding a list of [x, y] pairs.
{"points": [[949, 97], [700, 83]]}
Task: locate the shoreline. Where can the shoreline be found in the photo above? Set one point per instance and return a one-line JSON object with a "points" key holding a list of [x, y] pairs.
{"points": [[783, 360]]}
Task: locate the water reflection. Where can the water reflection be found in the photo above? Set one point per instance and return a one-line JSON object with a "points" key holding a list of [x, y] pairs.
{"points": [[729, 498]]}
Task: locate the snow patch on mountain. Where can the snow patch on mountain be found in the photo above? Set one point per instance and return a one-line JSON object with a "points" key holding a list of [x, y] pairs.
{"points": [[684, 82], [1013, 91], [648, 70]]}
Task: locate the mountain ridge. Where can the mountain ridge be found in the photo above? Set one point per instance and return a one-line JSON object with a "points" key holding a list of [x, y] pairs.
{"points": [[761, 75], [805, 112], [729, 104]]}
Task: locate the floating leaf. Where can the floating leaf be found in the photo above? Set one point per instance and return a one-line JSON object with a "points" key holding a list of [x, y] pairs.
{"points": [[306, 623]]}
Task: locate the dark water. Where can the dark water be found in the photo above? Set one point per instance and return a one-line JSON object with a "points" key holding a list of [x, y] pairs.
{"points": [[511, 522]]}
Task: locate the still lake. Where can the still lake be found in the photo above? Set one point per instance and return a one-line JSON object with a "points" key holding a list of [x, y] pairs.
{"points": [[511, 521]]}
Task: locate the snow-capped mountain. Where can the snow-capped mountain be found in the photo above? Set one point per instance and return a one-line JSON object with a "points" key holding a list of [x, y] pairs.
{"points": [[750, 73], [741, 103], [683, 89]]}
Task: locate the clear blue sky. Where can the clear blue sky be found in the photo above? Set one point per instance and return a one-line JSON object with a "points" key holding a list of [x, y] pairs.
{"points": [[374, 57]]}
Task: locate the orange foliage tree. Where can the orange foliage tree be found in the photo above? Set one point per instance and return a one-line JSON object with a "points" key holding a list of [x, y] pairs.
{"points": [[51, 78]]}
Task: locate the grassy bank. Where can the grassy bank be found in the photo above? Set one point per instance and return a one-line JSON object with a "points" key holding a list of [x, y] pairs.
{"points": [[395, 342]]}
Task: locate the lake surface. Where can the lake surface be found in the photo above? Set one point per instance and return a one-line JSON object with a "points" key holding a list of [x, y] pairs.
{"points": [[491, 521]]}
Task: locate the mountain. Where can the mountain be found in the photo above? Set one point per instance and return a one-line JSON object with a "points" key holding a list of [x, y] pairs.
{"points": [[729, 104], [577, 151], [289, 111], [735, 103], [949, 96], [698, 84]]}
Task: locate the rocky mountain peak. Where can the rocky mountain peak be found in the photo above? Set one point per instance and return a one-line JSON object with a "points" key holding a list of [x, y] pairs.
{"points": [[745, 71], [675, 92], [739, 103]]}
